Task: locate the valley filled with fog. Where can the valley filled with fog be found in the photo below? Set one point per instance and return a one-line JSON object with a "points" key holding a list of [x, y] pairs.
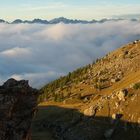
{"points": [[42, 53]]}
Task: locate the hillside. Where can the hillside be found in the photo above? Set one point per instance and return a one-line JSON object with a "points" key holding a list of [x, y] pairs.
{"points": [[115, 71], [99, 101]]}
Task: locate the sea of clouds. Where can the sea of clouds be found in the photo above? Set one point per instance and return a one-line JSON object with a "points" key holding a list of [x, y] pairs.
{"points": [[41, 53]]}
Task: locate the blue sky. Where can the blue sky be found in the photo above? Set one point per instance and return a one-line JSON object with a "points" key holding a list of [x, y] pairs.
{"points": [[81, 9]]}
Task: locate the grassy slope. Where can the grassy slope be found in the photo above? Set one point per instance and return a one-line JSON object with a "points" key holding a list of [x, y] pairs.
{"points": [[86, 80], [53, 110]]}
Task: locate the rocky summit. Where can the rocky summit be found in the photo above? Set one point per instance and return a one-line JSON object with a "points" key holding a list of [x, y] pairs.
{"points": [[17, 106]]}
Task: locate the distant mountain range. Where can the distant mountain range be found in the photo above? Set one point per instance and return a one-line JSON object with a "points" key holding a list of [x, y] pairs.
{"points": [[61, 20]]}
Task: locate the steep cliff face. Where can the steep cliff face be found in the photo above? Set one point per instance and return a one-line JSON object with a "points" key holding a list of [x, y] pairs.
{"points": [[17, 106]]}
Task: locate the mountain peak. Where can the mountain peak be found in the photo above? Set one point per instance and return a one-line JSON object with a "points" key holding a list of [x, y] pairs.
{"points": [[63, 20]]}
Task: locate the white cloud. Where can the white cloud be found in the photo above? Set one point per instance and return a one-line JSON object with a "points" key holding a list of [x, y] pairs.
{"points": [[55, 32], [17, 77], [16, 52], [37, 79], [48, 51]]}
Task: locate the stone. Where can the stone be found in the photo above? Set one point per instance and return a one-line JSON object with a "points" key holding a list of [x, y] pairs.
{"points": [[115, 80], [122, 94], [89, 111], [116, 116], [108, 134], [116, 105]]}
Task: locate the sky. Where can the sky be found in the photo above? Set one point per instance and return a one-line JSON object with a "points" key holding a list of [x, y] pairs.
{"points": [[75, 9], [42, 53]]}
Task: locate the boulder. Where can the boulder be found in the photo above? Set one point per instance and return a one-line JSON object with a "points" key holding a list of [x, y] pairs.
{"points": [[116, 104], [116, 116], [122, 94], [115, 80], [90, 111]]}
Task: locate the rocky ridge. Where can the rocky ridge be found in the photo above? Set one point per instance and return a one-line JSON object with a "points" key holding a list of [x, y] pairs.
{"points": [[18, 103], [65, 21]]}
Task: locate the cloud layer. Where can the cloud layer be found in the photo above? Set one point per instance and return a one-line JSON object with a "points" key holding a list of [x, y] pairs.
{"points": [[41, 53]]}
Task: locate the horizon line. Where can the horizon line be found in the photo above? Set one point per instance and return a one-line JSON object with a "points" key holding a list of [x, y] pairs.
{"points": [[74, 19]]}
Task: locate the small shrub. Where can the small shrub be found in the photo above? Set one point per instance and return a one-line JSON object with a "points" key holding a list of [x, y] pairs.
{"points": [[137, 86], [130, 95]]}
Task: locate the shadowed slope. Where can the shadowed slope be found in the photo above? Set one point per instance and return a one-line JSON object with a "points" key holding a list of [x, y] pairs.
{"points": [[59, 123]]}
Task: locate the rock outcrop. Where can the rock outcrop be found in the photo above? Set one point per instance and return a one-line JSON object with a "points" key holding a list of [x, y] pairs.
{"points": [[17, 106]]}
